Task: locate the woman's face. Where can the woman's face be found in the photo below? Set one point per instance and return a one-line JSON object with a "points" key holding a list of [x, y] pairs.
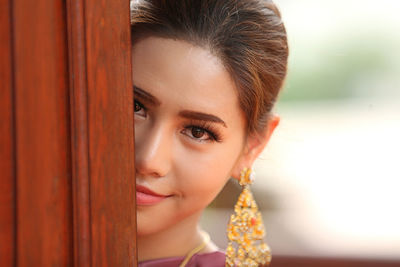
{"points": [[189, 131]]}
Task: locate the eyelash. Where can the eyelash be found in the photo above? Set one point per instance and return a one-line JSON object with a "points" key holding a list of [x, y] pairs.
{"points": [[202, 125], [207, 127], [139, 104]]}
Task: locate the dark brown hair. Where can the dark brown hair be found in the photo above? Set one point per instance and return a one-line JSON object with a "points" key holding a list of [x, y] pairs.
{"points": [[248, 36]]}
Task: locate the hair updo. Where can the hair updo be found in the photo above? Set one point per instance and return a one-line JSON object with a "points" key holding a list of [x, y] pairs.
{"points": [[248, 36]]}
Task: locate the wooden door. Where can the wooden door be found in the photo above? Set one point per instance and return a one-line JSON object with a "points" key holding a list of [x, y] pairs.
{"points": [[67, 188]]}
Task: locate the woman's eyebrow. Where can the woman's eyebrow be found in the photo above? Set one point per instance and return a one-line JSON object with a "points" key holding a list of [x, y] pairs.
{"points": [[146, 96], [201, 116]]}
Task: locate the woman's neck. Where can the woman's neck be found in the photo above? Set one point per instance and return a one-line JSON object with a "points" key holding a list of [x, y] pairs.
{"points": [[175, 241]]}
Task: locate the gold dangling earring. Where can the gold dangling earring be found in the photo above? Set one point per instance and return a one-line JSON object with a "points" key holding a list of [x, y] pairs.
{"points": [[246, 229]]}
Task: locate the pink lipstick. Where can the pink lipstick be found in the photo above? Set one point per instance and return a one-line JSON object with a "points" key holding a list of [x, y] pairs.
{"points": [[146, 197]]}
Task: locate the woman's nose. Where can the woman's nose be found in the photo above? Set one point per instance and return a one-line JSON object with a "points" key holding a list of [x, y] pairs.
{"points": [[152, 151]]}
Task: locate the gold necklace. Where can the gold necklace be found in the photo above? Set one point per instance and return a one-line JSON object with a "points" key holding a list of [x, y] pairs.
{"points": [[206, 239]]}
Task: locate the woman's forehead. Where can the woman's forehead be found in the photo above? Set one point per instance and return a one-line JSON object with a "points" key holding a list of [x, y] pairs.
{"points": [[184, 75], [176, 58]]}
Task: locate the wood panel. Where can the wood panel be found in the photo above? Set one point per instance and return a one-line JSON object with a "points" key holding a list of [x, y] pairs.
{"points": [[67, 185], [79, 133], [7, 171], [43, 150], [108, 100]]}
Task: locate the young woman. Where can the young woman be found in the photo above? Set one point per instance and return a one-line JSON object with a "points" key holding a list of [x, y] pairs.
{"points": [[206, 75]]}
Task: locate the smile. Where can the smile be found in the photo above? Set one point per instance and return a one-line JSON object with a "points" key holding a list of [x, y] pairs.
{"points": [[146, 197]]}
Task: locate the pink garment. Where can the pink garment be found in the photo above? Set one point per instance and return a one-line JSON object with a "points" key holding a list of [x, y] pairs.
{"points": [[213, 259]]}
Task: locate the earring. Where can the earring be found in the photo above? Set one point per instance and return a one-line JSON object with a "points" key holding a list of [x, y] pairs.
{"points": [[246, 230]]}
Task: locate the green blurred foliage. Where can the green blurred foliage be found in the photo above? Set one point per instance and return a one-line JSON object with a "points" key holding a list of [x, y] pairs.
{"points": [[331, 69]]}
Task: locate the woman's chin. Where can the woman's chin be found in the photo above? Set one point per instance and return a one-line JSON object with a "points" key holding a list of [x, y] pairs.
{"points": [[149, 224]]}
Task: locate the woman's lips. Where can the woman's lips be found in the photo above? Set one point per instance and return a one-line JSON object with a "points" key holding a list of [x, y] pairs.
{"points": [[145, 196]]}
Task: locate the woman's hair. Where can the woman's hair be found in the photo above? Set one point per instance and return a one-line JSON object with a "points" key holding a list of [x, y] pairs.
{"points": [[248, 36]]}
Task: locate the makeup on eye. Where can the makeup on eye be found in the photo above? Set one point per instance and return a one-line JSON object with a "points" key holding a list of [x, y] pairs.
{"points": [[146, 97], [138, 107], [201, 124], [198, 128]]}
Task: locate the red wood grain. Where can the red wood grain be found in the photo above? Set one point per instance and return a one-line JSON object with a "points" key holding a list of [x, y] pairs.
{"points": [[111, 145], [79, 132], [7, 168], [43, 149], [67, 184]]}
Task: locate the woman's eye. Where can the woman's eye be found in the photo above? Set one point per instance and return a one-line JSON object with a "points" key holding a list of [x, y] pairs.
{"points": [[198, 133], [139, 109]]}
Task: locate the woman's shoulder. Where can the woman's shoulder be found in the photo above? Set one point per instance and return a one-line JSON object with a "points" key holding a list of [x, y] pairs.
{"points": [[209, 259]]}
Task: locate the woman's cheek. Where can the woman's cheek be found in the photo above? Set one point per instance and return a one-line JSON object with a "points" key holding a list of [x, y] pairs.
{"points": [[205, 173]]}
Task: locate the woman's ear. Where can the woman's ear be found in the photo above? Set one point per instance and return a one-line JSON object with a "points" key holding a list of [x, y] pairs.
{"points": [[254, 145]]}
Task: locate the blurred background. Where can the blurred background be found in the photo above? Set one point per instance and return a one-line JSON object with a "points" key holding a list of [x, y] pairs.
{"points": [[328, 183]]}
